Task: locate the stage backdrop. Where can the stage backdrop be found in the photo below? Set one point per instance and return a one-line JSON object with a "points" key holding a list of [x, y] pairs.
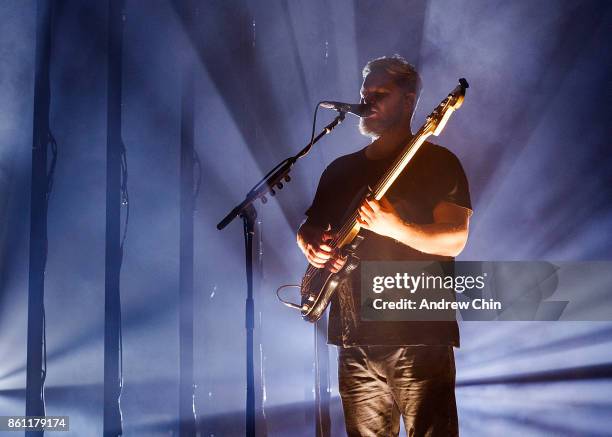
{"points": [[533, 137]]}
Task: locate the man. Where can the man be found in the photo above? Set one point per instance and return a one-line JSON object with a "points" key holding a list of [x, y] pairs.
{"points": [[388, 369]]}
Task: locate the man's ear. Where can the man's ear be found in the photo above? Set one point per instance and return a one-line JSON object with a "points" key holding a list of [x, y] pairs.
{"points": [[409, 100]]}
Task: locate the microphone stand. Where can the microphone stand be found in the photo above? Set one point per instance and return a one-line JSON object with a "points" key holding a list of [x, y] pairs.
{"points": [[246, 210]]}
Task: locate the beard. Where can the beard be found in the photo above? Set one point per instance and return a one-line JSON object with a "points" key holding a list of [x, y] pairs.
{"points": [[376, 127], [371, 128]]}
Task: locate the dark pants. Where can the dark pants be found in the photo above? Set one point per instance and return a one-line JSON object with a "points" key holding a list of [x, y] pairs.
{"points": [[378, 384]]}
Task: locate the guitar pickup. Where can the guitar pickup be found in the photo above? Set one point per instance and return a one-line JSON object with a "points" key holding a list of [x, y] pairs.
{"points": [[349, 249], [355, 243]]}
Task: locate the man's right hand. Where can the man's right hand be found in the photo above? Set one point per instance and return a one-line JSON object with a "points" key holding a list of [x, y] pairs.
{"points": [[314, 243]]}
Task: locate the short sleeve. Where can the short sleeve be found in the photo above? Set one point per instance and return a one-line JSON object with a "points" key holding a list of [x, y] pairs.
{"points": [[452, 184]]}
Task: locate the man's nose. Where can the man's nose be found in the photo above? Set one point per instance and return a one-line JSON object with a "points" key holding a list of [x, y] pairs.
{"points": [[370, 100]]}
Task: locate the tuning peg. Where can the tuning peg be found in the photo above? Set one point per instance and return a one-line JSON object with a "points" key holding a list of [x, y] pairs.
{"points": [[287, 178], [264, 199], [280, 185], [272, 193]]}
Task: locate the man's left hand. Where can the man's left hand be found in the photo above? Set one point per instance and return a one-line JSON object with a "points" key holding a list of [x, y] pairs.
{"points": [[379, 217]]}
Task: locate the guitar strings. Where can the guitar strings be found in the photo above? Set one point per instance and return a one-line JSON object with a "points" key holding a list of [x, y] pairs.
{"points": [[348, 226]]}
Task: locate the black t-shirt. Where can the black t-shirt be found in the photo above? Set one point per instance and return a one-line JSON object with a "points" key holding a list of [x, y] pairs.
{"points": [[434, 175]]}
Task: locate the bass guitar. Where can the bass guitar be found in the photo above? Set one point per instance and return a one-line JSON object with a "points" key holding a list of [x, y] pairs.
{"points": [[318, 285]]}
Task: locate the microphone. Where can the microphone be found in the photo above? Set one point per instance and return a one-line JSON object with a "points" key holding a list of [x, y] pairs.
{"points": [[358, 109]]}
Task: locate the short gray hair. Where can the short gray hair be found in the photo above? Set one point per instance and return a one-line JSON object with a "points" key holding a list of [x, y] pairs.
{"points": [[403, 73]]}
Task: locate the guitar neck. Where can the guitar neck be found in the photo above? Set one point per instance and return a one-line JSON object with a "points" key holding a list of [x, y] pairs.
{"points": [[400, 163], [351, 225]]}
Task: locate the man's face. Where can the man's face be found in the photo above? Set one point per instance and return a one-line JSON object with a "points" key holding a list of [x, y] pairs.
{"points": [[391, 105]]}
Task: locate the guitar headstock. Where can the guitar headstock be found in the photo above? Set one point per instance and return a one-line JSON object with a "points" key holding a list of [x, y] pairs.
{"points": [[439, 117]]}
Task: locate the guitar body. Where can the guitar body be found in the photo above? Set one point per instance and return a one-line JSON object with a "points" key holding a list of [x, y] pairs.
{"points": [[318, 285]]}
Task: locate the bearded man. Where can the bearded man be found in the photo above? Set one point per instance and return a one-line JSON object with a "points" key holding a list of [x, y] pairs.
{"points": [[391, 369]]}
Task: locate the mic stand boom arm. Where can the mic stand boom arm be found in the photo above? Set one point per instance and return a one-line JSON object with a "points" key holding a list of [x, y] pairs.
{"points": [[246, 210], [276, 176]]}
